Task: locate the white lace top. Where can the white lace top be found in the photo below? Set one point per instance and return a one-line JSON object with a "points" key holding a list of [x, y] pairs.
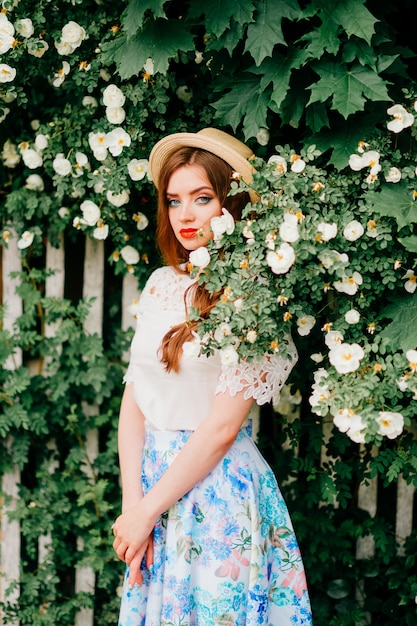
{"points": [[180, 401]]}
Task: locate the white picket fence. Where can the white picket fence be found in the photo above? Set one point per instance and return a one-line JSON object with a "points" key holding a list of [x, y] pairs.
{"points": [[93, 287]]}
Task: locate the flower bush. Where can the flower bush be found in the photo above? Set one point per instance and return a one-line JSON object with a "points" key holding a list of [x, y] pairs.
{"points": [[329, 253], [326, 255]]}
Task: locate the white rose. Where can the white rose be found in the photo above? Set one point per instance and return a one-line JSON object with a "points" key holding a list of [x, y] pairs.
{"points": [[251, 336], [61, 165], [118, 199], [138, 168], [279, 162], [101, 231], [288, 231], [185, 93], [393, 176], [10, 156], [72, 35], [327, 231], [31, 158], [91, 212], [191, 349], [333, 338], [129, 255], [97, 143], [41, 141], [282, 259], [116, 140], [353, 230], [200, 257], [352, 316], [37, 48], [402, 119], [34, 182], [229, 357], [89, 101], [390, 424], [113, 97], [7, 73], [222, 224], [222, 331], [262, 136], [346, 357], [356, 162], [304, 324], [141, 220], [25, 240], [298, 164], [115, 115], [25, 27], [349, 284]]}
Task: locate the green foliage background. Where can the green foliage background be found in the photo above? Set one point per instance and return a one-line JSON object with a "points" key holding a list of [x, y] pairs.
{"points": [[313, 72]]}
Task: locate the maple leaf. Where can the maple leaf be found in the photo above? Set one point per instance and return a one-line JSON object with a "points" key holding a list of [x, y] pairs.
{"points": [[409, 243], [278, 71], [219, 13], [395, 201], [401, 333], [245, 101], [347, 88], [266, 32], [133, 16], [159, 39]]}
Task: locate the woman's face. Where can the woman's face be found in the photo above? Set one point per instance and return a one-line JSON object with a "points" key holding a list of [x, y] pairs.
{"points": [[192, 203]]}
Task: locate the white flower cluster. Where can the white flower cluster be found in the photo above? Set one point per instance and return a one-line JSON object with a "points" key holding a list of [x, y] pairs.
{"points": [[71, 37], [346, 359]]}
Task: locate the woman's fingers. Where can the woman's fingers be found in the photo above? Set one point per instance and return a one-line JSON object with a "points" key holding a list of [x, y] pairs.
{"points": [[135, 575], [149, 553]]}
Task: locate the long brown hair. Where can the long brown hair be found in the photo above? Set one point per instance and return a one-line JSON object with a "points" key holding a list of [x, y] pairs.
{"points": [[219, 174]]}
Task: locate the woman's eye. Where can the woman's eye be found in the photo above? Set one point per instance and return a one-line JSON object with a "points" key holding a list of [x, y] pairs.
{"points": [[173, 202], [203, 200]]}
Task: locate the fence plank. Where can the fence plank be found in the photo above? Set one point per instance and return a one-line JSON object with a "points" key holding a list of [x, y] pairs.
{"points": [[10, 530], [93, 287], [404, 517]]}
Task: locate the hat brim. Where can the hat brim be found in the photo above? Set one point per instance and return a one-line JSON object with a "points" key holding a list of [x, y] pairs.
{"points": [[214, 144]]}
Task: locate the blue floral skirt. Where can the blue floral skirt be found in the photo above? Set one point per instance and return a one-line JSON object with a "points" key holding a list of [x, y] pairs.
{"points": [[226, 553]]}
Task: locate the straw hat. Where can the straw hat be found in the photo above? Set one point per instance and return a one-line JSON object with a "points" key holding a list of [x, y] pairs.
{"points": [[223, 145]]}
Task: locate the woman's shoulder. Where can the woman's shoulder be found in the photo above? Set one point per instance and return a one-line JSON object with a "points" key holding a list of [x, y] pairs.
{"points": [[166, 285]]}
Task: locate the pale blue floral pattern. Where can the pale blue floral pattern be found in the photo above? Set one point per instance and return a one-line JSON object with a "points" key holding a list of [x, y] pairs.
{"points": [[226, 553]]}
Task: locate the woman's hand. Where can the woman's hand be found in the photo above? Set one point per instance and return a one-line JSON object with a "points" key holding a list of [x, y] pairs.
{"points": [[133, 539]]}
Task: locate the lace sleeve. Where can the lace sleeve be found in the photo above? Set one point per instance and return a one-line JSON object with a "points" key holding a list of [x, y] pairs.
{"points": [[261, 380]]}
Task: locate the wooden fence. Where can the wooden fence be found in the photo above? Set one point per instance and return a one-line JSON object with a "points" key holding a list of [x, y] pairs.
{"points": [[93, 287]]}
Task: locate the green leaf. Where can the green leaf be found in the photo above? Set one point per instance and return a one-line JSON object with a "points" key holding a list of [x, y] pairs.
{"points": [[395, 201], [409, 243], [219, 13], [266, 32], [316, 116], [359, 50], [354, 18], [159, 39], [351, 15], [343, 139], [278, 71], [347, 88], [244, 102], [132, 19], [401, 333]]}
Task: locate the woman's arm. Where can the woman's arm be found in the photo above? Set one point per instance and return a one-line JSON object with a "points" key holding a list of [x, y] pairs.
{"points": [[130, 442], [204, 449]]}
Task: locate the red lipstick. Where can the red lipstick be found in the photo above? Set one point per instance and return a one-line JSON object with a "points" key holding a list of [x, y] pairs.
{"points": [[188, 233]]}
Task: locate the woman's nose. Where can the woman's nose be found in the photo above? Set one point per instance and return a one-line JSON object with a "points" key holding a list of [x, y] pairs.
{"points": [[186, 213]]}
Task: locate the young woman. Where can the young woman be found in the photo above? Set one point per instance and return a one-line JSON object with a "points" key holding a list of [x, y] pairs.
{"points": [[204, 531]]}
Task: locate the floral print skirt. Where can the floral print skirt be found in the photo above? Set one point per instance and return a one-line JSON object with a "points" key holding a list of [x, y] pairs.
{"points": [[226, 553]]}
